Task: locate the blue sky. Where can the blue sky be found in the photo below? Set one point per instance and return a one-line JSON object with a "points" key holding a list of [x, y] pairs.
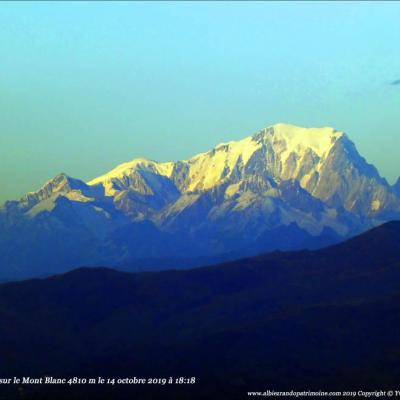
{"points": [[86, 86]]}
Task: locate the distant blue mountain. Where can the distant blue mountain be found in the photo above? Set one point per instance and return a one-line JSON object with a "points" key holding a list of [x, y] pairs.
{"points": [[284, 188]]}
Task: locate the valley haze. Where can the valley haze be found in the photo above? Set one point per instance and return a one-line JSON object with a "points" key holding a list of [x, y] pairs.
{"points": [[324, 320]]}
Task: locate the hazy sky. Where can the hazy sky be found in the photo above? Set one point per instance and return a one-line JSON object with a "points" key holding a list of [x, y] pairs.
{"points": [[86, 86]]}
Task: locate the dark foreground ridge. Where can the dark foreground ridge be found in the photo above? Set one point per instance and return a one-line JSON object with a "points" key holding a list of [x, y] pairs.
{"points": [[308, 320]]}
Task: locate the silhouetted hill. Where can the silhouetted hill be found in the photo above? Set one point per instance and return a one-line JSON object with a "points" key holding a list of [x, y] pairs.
{"points": [[322, 320]]}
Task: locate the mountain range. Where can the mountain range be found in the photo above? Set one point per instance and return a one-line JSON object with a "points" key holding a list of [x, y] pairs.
{"points": [[283, 188], [307, 320]]}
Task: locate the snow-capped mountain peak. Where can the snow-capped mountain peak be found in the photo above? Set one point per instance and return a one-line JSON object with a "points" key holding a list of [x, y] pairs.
{"points": [[298, 139], [61, 184], [310, 156], [306, 183], [130, 173], [209, 169]]}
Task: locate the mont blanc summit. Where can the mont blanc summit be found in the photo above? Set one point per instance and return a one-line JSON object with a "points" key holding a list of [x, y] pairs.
{"points": [[285, 187]]}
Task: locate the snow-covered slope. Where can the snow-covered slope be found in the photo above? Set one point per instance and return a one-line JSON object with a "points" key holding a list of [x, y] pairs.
{"points": [[308, 182], [322, 160], [277, 151]]}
